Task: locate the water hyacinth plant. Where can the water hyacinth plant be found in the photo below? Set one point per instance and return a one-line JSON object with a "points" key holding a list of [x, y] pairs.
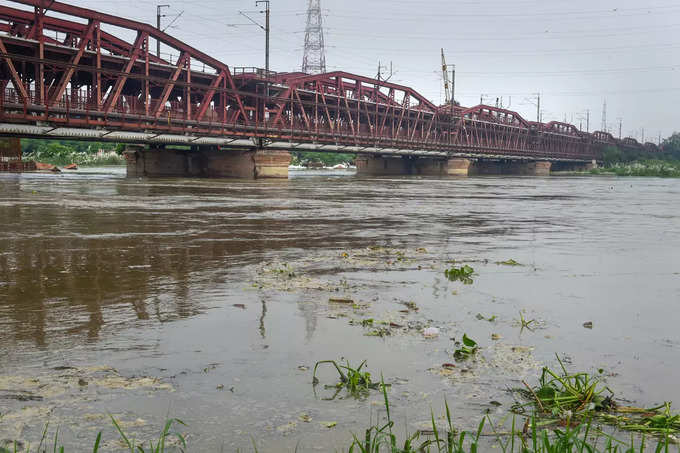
{"points": [[463, 274]]}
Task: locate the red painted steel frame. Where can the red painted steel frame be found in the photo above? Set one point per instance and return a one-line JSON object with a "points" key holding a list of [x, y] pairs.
{"points": [[72, 73]]}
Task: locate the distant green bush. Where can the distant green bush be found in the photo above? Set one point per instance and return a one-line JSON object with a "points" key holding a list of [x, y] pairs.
{"points": [[327, 159], [660, 168], [65, 152]]}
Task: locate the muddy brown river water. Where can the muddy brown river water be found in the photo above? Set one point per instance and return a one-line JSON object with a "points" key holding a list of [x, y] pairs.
{"points": [[208, 300]]}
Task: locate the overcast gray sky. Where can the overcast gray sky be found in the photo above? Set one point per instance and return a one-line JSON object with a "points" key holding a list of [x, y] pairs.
{"points": [[575, 53]]}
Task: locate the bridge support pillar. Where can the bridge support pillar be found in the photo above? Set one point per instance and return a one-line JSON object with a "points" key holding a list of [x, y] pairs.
{"points": [[538, 168], [207, 163], [381, 165], [408, 165], [569, 167], [458, 167], [511, 167]]}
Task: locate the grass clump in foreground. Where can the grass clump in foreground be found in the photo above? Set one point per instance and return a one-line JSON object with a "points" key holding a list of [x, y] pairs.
{"points": [[130, 443], [581, 397], [578, 438], [356, 382]]}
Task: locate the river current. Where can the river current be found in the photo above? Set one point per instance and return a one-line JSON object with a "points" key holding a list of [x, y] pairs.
{"points": [[211, 300]]}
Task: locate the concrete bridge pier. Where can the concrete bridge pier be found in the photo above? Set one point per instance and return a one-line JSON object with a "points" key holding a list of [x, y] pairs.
{"points": [[206, 162], [458, 167], [566, 167], [408, 165], [511, 167]]}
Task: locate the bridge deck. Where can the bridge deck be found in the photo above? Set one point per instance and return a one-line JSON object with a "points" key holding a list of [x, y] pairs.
{"points": [[69, 78]]}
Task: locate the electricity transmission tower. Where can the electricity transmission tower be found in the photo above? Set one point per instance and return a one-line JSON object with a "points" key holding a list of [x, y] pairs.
{"points": [[314, 61]]}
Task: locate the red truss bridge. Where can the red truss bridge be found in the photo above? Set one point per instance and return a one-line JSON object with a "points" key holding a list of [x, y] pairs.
{"points": [[75, 73]]}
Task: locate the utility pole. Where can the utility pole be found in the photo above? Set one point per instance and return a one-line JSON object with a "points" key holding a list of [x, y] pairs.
{"points": [[538, 107], [604, 116], [453, 85], [620, 127], [159, 14], [266, 29], [266, 37], [643, 135], [588, 120]]}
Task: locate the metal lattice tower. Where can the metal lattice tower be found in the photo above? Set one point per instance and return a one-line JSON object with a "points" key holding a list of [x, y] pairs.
{"points": [[314, 61]]}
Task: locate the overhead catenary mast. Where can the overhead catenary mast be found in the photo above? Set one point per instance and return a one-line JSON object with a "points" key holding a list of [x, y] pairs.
{"points": [[449, 84], [314, 60], [445, 75]]}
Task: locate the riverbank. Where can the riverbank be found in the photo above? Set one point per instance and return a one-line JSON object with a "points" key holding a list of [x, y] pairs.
{"points": [[658, 168]]}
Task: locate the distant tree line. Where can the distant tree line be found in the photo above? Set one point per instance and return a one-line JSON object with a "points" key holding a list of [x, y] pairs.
{"points": [[670, 152], [60, 147], [64, 152]]}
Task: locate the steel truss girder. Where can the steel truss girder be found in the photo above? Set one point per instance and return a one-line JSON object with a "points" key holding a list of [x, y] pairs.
{"points": [[92, 79]]}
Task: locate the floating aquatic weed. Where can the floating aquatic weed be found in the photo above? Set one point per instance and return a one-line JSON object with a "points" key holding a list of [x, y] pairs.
{"points": [[379, 332], [411, 305], [581, 397], [467, 348], [567, 393], [462, 274], [651, 421], [481, 317], [509, 262]]}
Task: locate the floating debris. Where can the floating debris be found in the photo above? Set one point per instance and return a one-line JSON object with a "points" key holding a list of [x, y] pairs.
{"points": [[431, 332], [340, 300]]}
